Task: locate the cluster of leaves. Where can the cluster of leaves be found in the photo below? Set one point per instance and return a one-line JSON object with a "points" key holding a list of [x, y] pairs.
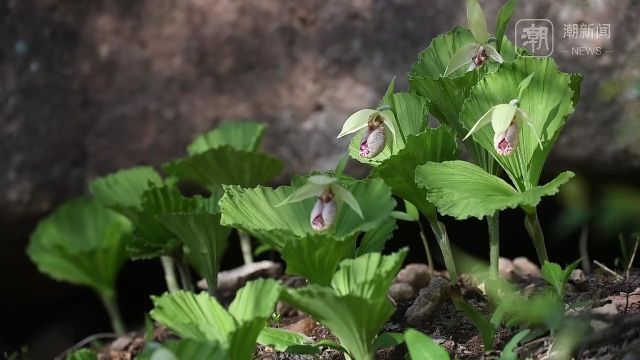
{"points": [[465, 79]]}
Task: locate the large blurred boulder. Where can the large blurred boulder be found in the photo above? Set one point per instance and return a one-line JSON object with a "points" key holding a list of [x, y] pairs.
{"points": [[91, 86]]}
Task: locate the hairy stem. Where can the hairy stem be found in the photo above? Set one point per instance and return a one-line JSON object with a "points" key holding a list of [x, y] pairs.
{"points": [[245, 247], [440, 233], [532, 224], [493, 222], [169, 274], [185, 275], [111, 305], [423, 236]]}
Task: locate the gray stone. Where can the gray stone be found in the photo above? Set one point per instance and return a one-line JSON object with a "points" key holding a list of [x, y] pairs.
{"points": [[429, 300], [416, 275], [401, 292]]}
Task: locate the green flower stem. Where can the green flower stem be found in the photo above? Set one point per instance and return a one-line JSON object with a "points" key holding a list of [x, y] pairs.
{"points": [[493, 223], [245, 247], [440, 233], [185, 275], [111, 305], [425, 243], [169, 274], [532, 224]]}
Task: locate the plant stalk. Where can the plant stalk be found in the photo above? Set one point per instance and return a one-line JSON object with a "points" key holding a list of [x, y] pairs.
{"points": [[111, 305], [423, 236], [169, 273], [532, 224], [185, 275], [493, 222], [245, 247], [440, 233]]}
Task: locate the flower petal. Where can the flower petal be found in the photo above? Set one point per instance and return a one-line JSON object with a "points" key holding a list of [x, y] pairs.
{"points": [[484, 120], [522, 117], [322, 180], [493, 53], [502, 117], [461, 58], [304, 192], [389, 123], [356, 121], [477, 22], [345, 195], [524, 84]]}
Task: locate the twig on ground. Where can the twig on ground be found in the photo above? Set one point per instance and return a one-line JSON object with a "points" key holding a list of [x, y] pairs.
{"points": [[633, 257], [82, 343], [607, 269], [584, 252]]}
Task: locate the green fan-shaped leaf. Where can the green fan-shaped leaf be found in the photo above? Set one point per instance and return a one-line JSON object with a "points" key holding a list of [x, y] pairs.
{"points": [[355, 321], [254, 211], [283, 340], [193, 316], [240, 135], [398, 172], [205, 239], [547, 101], [422, 347], [151, 238], [374, 240], [316, 257], [461, 189], [410, 117], [200, 317], [81, 242], [122, 190], [368, 276], [184, 349], [226, 165], [82, 354]]}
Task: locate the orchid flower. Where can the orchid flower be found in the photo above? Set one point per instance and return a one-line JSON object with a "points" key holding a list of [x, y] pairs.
{"points": [[328, 192], [378, 123], [506, 120], [474, 55]]}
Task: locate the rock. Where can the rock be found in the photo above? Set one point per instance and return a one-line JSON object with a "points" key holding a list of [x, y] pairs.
{"points": [[526, 268], [231, 280], [505, 268], [429, 300], [305, 326], [416, 275], [401, 292], [579, 280]]}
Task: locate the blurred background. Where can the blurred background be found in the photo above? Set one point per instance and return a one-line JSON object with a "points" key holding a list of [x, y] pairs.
{"points": [[88, 87]]}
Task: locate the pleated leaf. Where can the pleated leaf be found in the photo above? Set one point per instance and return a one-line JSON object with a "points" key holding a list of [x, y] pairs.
{"points": [[254, 210], [225, 165], [368, 276], [204, 237], [548, 101], [410, 113], [283, 340], [184, 349], [151, 238], [82, 243], [200, 317], [316, 257], [422, 347], [398, 172], [122, 190], [355, 321], [461, 189], [374, 240], [193, 316], [240, 135]]}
